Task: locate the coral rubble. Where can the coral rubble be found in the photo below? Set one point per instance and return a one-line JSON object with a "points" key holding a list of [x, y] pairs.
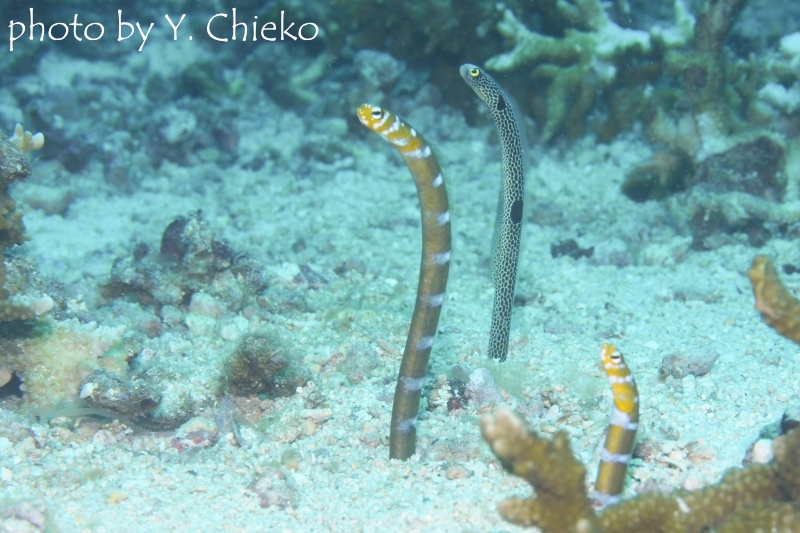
{"points": [[262, 364]]}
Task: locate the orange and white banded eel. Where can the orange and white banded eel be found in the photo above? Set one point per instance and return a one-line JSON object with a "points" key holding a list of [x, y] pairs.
{"points": [[622, 427], [433, 270]]}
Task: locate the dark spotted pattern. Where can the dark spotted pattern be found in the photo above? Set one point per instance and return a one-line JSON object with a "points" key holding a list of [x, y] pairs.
{"points": [[509, 217]]}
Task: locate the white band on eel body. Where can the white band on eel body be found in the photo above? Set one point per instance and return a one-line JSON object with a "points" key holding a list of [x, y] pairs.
{"points": [[425, 343], [407, 425], [436, 300], [394, 126], [622, 420], [419, 153], [441, 259], [401, 141], [411, 384], [611, 457]]}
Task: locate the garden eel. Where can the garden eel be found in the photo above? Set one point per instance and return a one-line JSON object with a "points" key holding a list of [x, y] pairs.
{"points": [[621, 428], [434, 266], [505, 245]]}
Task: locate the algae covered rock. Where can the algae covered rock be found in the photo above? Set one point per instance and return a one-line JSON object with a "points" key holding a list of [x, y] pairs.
{"points": [[756, 167], [738, 190], [191, 259], [263, 364]]}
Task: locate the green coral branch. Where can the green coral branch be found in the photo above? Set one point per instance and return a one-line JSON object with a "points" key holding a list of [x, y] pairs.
{"points": [[530, 46], [585, 60]]}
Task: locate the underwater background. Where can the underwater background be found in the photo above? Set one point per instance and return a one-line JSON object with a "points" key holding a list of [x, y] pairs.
{"points": [[210, 265]]}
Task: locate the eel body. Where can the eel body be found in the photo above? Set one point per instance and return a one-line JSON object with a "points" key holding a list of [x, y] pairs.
{"points": [[434, 267], [505, 252], [622, 427]]}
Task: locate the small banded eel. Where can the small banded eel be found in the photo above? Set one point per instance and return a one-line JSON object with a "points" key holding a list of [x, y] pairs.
{"points": [[433, 270], [505, 249], [621, 428]]}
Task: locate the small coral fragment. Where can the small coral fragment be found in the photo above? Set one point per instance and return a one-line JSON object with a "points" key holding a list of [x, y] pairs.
{"points": [[22, 308], [25, 140], [695, 363], [778, 308]]}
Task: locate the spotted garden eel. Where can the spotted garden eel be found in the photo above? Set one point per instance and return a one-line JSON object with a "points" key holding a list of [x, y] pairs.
{"points": [[622, 427], [505, 246], [433, 270]]}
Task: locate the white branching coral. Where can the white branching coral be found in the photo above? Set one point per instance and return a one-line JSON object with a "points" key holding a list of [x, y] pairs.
{"points": [[584, 60], [786, 66], [26, 141]]}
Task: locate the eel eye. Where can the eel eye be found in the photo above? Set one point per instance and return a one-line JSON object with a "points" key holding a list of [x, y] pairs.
{"points": [[474, 72], [377, 113]]}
